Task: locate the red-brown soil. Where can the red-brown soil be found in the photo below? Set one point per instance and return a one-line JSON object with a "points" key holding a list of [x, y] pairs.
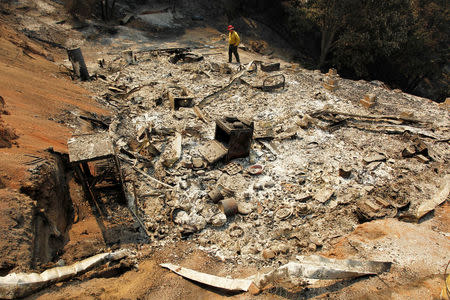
{"points": [[35, 92], [35, 95]]}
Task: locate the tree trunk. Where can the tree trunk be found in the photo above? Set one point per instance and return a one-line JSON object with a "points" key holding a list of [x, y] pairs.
{"points": [[111, 11], [412, 84], [107, 7], [326, 42], [78, 64], [102, 7]]}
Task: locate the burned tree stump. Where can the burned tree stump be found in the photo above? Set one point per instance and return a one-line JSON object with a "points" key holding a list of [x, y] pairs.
{"points": [[78, 64], [129, 57]]}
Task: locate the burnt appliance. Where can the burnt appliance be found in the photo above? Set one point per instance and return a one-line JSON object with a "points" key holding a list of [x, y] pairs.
{"points": [[235, 135]]}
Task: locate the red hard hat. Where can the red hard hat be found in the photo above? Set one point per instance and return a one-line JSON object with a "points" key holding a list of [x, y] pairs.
{"points": [[230, 27]]}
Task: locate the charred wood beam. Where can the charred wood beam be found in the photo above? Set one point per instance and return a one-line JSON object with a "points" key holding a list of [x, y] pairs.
{"points": [[78, 64], [34, 37], [166, 50], [373, 117]]}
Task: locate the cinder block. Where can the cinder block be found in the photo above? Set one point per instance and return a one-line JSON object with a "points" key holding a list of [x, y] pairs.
{"points": [[366, 104], [332, 81], [407, 115], [329, 86], [370, 97], [332, 72], [422, 158]]}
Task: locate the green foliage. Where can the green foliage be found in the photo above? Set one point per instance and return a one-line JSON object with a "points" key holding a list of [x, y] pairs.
{"points": [[398, 41], [428, 47], [87, 8], [373, 30], [297, 20]]}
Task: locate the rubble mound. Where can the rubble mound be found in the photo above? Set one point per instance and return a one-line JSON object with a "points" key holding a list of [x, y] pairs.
{"points": [[326, 153], [7, 135]]}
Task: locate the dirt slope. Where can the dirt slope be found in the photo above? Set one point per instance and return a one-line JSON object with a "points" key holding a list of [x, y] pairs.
{"points": [[36, 95], [38, 98]]}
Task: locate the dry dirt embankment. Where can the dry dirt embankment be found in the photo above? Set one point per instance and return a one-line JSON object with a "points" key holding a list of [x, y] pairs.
{"points": [[34, 209]]}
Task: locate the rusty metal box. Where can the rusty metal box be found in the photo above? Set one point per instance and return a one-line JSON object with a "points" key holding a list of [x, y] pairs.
{"points": [[235, 136]]}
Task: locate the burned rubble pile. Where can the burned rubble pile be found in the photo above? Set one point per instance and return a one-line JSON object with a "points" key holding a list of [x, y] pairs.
{"points": [[260, 162]]}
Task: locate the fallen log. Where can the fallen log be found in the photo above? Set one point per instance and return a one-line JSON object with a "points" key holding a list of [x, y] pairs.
{"points": [[34, 37], [166, 50], [371, 117], [95, 122], [393, 129]]}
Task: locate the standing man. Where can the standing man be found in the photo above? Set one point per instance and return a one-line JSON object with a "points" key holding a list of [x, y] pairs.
{"points": [[233, 41]]}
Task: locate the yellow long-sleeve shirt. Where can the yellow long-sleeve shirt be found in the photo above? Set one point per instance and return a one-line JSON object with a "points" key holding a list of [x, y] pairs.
{"points": [[233, 38]]}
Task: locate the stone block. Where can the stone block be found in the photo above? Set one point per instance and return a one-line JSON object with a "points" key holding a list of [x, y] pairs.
{"points": [[331, 81], [409, 151], [173, 153], [407, 115], [422, 158], [366, 104], [329, 87], [370, 97], [270, 67], [332, 72]]}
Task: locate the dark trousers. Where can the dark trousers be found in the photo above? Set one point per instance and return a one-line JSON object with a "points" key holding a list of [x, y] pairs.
{"points": [[233, 49]]}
